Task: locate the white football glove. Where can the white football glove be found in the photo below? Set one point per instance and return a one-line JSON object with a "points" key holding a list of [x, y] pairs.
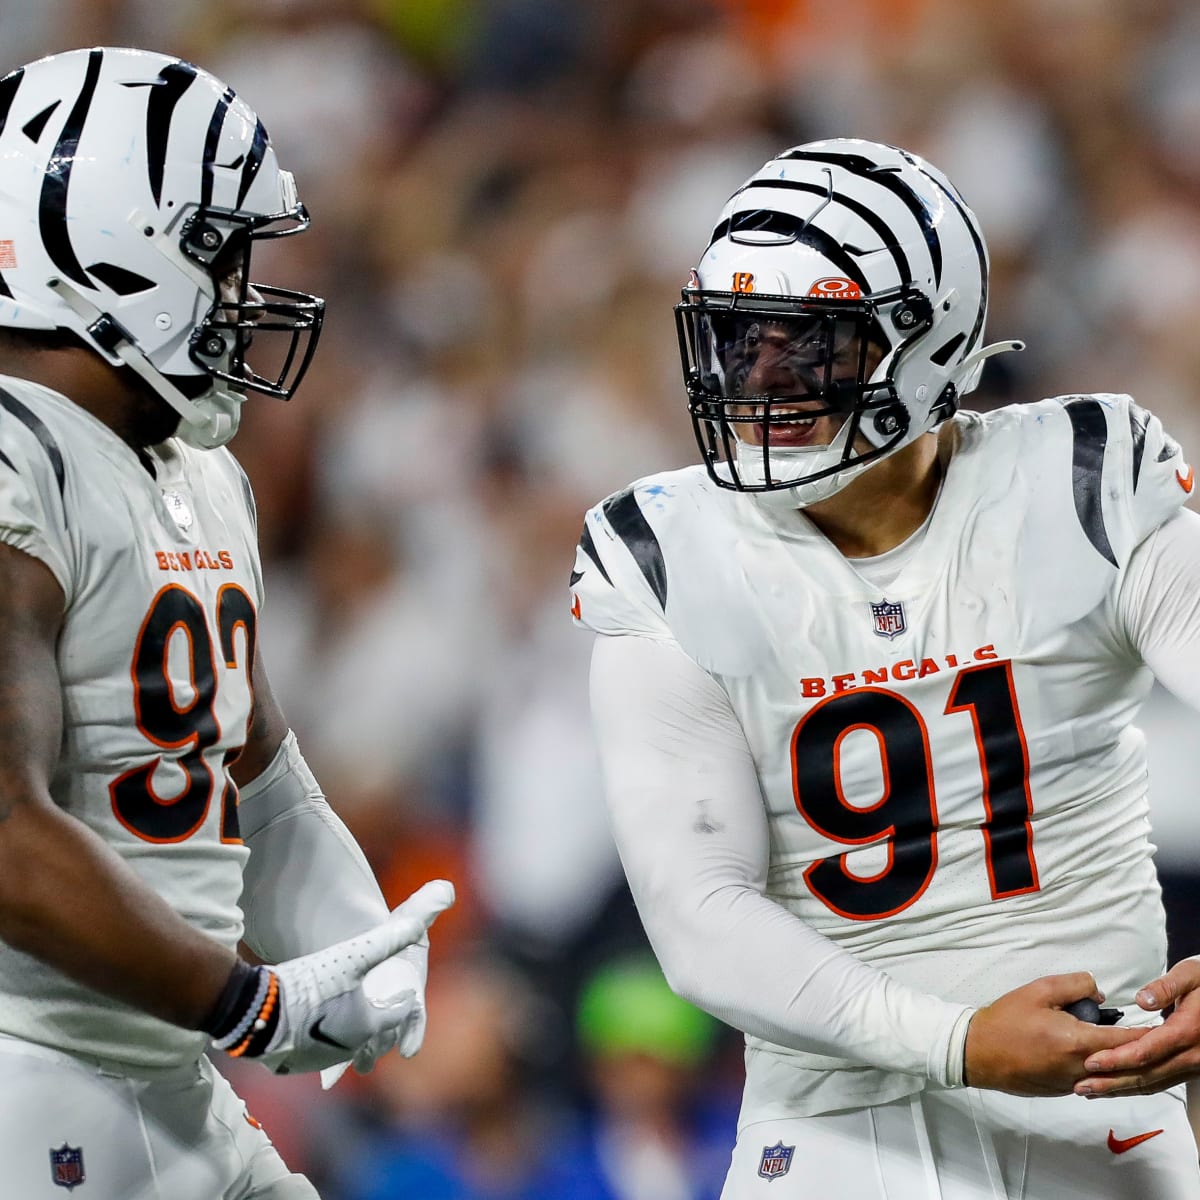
{"points": [[398, 979], [314, 1012]]}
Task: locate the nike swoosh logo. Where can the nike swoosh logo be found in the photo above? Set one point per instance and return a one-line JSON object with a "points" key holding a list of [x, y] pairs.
{"points": [[1188, 481], [1120, 1145], [315, 1033]]}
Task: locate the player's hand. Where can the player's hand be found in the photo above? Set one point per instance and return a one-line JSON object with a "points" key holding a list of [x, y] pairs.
{"points": [[322, 1015], [391, 983], [1023, 1043], [1168, 1053]]}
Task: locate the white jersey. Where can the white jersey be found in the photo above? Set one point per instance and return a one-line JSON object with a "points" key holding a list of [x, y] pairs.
{"points": [[954, 789], [162, 584]]}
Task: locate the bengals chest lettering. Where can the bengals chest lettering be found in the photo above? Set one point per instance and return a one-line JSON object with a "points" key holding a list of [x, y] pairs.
{"points": [[193, 560]]}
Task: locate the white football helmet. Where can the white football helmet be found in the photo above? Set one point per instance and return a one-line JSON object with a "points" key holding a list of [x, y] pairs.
{"points": [[845, 279], [131, 185]]}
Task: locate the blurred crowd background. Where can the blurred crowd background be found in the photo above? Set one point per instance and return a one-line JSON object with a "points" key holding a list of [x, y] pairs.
{"points": [[507, 196]]}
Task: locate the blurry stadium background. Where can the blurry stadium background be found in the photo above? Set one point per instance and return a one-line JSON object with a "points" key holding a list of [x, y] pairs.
{"points": [[507, 196]]}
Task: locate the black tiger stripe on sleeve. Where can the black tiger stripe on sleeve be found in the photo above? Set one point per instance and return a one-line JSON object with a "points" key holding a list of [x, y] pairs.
{"points": [[35, 425], [629, 523], [1090, 429], [1139, 419], [588, 546]]}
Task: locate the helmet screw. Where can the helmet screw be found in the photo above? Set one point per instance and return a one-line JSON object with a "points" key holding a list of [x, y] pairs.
{"points": [[905, 318], [891, 420], [210, 239], [163, 321], [214, 346]]}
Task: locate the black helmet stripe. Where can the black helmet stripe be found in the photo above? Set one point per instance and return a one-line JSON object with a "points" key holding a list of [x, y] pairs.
{"points": [[212, 139], [173, 80], [864, 168], [254, 160], [964, 212], [872, 218], [786, 225], [36, 126], [52, 211], [8, 93]]}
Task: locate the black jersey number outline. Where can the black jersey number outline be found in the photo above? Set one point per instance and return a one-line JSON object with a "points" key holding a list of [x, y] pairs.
{"points": [[191, 727], [906, 813]]}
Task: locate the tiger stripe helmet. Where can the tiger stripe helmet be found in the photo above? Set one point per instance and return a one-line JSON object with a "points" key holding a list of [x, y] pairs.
{"points": [[130, 183], [872, 254]]}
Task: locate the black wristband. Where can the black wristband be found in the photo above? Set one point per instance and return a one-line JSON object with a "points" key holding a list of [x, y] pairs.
{"points": [[236, 997]]}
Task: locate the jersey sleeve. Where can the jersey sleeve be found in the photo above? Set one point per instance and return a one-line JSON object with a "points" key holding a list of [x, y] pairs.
{"points": [[692, 831], [1128, 474], [619, 583], [33, 483], [1159, 605]]}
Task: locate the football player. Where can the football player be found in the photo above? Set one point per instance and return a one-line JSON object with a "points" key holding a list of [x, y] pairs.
{"points": [[154, 807], [864, 695]]}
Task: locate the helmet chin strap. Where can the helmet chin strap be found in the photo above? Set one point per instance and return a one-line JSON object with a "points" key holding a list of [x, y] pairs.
{"points": [[205, 430]]}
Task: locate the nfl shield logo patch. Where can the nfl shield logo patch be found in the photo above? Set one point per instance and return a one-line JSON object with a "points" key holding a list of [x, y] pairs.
{"points": [[66, 1166], [889, 619], [776, 1160]]}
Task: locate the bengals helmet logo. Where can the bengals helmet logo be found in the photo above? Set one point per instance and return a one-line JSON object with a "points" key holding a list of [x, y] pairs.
{"points": [[833, 287], [743, 281]]}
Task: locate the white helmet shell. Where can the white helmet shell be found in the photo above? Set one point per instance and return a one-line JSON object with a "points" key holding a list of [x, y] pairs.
{"points": [[842, 227], [124, 175]]}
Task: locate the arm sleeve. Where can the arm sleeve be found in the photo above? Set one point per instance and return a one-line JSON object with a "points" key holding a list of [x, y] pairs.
{"points": [[306, 884], [1159, 605], [691, 828]]}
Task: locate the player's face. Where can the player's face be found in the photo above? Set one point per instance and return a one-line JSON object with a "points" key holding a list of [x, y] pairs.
{"points": [[240, 301], [230, 278], [793, 358]]}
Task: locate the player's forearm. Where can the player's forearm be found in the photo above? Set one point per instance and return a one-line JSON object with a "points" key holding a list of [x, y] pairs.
{"points": [[746, 960], [689, 821], [70, 901], [307, 882]]}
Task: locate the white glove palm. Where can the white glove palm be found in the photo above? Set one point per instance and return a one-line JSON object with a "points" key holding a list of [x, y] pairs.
{"points": [[396, 981], [325, 1013]]}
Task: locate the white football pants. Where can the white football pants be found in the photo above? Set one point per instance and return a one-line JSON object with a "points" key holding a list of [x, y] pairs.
{"points": [[967, 1144], [183, 1137]]}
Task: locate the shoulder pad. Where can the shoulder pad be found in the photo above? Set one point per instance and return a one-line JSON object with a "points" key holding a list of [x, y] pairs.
{"points": [[243, 481], [619, 583], [1128, 475], [33, 485]]}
